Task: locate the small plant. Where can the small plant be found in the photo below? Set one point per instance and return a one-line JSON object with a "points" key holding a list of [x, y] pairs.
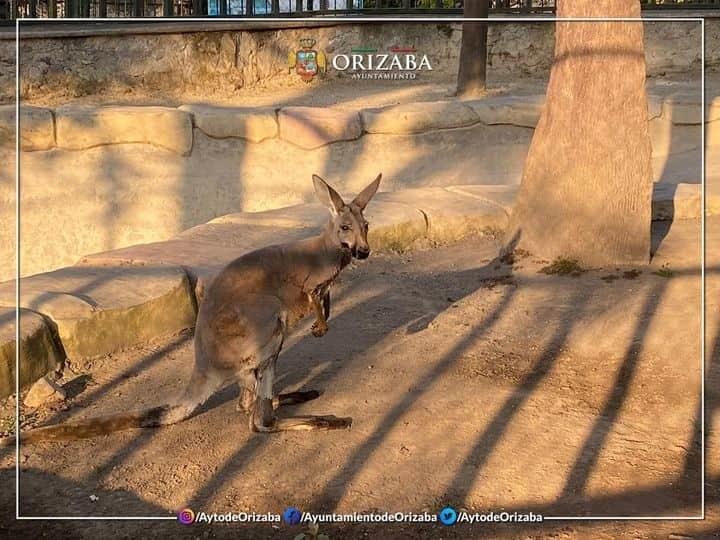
{"points": [[563, 267], [7, 425], [631, 274], [313, 533], [664, 271]]}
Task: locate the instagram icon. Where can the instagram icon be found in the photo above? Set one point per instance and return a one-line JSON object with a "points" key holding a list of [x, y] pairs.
{"points": [[186, 516]]}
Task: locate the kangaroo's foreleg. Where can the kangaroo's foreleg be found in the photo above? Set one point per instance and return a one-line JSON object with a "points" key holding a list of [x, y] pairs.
{"points": [[246, 400], [321, 304]]}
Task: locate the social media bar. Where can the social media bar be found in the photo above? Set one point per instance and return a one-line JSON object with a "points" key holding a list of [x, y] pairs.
{"points": [[294, 516]]}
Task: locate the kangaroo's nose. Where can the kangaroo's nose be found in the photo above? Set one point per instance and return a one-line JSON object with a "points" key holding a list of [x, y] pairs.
{"points": [[363, 253]]}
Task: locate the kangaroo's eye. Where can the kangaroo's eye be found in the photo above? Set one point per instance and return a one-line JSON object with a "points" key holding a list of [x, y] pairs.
{"points": [[367, 226], [345, 227]]}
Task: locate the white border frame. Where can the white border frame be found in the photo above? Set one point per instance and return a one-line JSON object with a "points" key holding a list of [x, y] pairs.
{"points": [[547, 19]]}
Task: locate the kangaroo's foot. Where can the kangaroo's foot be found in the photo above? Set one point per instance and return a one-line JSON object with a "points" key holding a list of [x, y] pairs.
{"points": [[262, 420], [293, 398], [303, 423]]}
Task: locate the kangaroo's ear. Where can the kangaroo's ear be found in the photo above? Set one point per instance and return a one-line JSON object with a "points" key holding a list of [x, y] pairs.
{"points": [[327, 195], [366, 194]]}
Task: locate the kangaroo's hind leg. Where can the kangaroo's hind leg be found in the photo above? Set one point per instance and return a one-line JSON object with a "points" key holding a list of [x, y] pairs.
{"points": [[263, 419], [247, 399]]}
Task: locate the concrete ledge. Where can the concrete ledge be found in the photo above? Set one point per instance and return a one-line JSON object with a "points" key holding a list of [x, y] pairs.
{"points": [[200, 260], [79, 128], [312, 127], [37, 129], [99, 310], [683, 201], [39, 353], [418, 117], [517, 111], [255, 125], [450, 215]]}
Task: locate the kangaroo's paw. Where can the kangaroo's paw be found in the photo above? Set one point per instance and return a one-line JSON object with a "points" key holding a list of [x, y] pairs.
{"points": [[306, 423], [293, 398], [245, 401], [319, 329]]}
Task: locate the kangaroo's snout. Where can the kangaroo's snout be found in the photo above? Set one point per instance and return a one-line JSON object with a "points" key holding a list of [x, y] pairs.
{"points": [[362, 253]]}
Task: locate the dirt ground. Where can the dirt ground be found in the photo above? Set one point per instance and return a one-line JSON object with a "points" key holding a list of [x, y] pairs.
{"points": [[341, 94], [485, 384]]}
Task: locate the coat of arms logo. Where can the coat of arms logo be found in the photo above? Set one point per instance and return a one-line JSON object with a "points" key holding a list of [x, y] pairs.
{"points": [[307, 61]]}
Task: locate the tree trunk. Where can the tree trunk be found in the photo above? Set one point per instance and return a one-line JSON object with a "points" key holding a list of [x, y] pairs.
{"points": [[587, 183], [473, 51]]}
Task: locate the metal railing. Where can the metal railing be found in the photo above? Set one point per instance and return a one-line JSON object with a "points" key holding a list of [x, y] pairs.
{"points": [[10, 9]]}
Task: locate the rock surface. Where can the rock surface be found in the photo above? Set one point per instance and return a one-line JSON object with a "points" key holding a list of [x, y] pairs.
{"points": [[200, 260], [78, 128], [517, 111], [312, 127], [39, 353], [44, 391], [418, 117], [37, 131], [98, 310], [683, 201], [451, 215], [255, 125]]}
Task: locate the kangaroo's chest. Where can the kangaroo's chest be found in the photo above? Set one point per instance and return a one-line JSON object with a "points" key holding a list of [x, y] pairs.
{"points": [[300, 300]]}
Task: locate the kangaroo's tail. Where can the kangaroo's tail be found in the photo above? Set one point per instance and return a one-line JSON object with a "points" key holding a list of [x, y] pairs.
{"points": [[197, 392]]}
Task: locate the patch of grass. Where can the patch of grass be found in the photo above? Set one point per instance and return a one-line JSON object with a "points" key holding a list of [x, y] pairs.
{"points": [[610, 278], [664, 271], [631, 274], [494, 232], [563, 267], [7, 426]]}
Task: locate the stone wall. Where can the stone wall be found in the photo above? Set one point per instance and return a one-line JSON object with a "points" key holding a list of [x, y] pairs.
{"points": [[7, 69], [223, 61], [100, 178]]}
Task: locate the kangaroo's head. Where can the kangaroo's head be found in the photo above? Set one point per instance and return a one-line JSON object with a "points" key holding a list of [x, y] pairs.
{"points": [[347, 228]]}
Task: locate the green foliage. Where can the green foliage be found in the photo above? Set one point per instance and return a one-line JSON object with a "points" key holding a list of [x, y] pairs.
{"points": [[429, 4], [664, 271], [563, 267]]}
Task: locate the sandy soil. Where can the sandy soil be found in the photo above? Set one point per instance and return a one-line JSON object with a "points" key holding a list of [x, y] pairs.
{"points": [[471, 382], [346, 94]]}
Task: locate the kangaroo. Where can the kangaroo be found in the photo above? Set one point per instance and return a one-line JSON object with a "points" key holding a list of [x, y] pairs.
{"points": [[248, 311]]}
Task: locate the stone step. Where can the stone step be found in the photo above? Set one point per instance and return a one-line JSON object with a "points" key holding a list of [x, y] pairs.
{"points": [[101, 309], [39, 352], [85, 127]]}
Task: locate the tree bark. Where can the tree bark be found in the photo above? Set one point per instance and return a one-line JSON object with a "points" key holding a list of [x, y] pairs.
{"points": [[473, 51], [587, 182]]}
